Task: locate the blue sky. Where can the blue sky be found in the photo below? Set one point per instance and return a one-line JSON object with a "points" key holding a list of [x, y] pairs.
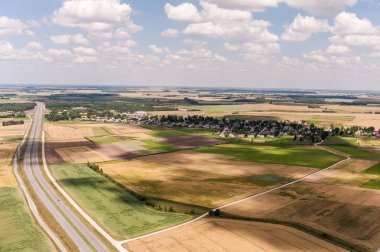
{"points": [[223, 43]]}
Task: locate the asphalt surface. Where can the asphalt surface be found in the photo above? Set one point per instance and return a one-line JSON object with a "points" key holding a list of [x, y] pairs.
{"points": [[76, 230]]}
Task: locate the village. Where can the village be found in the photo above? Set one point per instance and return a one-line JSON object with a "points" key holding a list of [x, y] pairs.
{"points": [[222, 127]]}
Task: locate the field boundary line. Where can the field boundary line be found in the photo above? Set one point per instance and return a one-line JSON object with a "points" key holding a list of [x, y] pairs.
{"points": [[29, 200], [115, 243], [347, 157]]}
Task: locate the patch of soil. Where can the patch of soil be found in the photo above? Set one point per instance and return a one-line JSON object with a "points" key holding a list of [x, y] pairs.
{"points": [[59, 145], [112, 151], [52, 157]]}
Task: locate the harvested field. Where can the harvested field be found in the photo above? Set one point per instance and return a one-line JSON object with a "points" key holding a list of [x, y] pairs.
{"points": [[112, 151], [7, 178], [197, 178], [346, 173], [71, 132], [67, 144], [231, 235], [82, 154], [345, 212], [186, 142], [13, 130]]}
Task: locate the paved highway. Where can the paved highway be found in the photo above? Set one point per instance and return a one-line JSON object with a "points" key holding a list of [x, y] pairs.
{"points": [[74, 227]]}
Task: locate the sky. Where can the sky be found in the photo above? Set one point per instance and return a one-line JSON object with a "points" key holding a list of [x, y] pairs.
{"points": [[309, 44]]}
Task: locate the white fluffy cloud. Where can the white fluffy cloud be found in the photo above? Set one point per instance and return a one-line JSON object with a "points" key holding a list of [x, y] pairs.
{"points": [[324, 59], [99, 17], [215, 22], [9, 52], [185, 12], [170, 33], [231, 47], [256, 6], [353, 31], [69, 39], [338, 49], [158, 50], [33, 45], [303, 27], [85, 51], [319, 7], [349, 23], [10, 26]]}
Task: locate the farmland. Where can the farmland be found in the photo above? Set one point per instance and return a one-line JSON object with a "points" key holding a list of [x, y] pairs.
{"points": [[154, 175], [199, 178], [345, 212], [115, 209], [18, 231], [335, 201], [229, 235], [348, 146], [343, 116], [274, 155]]}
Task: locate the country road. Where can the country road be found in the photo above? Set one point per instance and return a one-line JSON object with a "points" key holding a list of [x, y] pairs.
{"points": [[74, 227]]}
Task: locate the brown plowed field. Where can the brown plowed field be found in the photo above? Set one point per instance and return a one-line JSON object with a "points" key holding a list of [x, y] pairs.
{"points": [[67, 144], [112, 151], [231, 235], [82, 154], [52, 157]]}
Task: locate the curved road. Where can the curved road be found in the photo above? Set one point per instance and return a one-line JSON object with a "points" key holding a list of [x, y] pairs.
{"points": [[78, 232]]}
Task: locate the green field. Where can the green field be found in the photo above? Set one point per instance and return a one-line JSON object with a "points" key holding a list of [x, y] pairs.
{"points": [[11, 139], [162, 132], [154, 145], [347, 145], [374, 170], [374, 183], [18, 232], [114, 208], [106, 139], [274, 154]]}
